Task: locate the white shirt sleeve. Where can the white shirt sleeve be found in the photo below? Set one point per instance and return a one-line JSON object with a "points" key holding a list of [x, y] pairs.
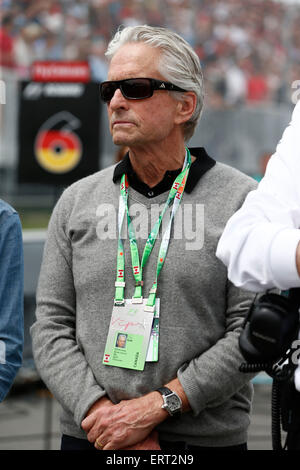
{"points": [[259, 241]]}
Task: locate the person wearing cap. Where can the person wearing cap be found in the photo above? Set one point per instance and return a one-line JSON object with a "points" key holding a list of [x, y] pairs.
{"points": [[131, 249], [11, 297]]}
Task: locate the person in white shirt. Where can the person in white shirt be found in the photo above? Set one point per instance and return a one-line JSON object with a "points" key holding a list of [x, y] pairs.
{"points": [[261, 241]]}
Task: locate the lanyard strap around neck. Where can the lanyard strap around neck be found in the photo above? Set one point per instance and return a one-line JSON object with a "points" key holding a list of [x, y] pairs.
{"points": [[175, 195]]}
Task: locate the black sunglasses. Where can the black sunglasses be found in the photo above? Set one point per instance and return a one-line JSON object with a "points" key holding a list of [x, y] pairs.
{"points": [[135, 88]]}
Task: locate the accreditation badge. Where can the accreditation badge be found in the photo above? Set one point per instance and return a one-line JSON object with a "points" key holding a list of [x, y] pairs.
{"points": [[129, 334]]}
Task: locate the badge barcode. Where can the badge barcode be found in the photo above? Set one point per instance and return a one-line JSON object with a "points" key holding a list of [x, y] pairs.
{"points": [[136, 359]]}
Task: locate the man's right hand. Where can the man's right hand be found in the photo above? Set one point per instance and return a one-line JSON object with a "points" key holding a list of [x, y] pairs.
{"points": [[101, 403], [127, 423], [150, 443]]}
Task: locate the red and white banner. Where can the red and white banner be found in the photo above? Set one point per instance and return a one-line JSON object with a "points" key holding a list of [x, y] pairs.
{"points": [[49, 71]]}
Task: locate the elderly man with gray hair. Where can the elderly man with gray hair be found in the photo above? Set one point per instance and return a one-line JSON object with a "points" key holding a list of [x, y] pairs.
{"points": [[131, 250]]}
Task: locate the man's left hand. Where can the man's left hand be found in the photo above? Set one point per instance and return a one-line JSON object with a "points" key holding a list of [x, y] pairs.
{"points": [[126, 423]]}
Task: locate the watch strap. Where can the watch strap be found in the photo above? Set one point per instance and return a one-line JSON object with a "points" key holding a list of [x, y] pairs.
{"points": [[164, 390]]}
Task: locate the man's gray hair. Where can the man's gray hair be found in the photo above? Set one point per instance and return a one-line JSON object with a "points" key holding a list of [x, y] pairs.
{"points": [[179, 64]]}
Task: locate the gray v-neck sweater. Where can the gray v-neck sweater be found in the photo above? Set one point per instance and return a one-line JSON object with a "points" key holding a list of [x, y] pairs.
{"points": [[200, 316]]}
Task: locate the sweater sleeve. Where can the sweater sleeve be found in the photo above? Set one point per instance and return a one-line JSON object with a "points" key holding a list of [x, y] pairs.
{"points": [[213, 377], [58, 357], [11, 300]]}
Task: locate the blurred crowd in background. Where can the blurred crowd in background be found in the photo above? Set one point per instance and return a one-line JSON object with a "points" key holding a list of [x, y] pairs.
{"points": [[250, 50]]}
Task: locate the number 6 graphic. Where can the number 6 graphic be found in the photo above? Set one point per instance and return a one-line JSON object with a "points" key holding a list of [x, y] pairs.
{"points": [[58, 150]]}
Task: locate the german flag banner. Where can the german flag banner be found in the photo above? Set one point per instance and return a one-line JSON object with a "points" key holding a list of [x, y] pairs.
{"points": [[59, 127]]}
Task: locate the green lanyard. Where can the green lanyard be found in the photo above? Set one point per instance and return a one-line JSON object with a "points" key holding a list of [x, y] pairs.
{"points": [[175, 195]]}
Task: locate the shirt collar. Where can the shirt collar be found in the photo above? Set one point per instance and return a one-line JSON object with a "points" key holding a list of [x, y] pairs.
{"points": [[199, 167]]}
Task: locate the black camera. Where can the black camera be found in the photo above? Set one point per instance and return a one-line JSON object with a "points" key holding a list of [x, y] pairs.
{"points": [[269, 329], [271, 326]]}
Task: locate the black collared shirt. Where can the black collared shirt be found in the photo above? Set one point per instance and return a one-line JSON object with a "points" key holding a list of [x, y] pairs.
{"points": [[200, 166]]}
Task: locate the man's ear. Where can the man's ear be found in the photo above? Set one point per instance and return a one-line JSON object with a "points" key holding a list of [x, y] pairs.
{"points": [[186, 107]]}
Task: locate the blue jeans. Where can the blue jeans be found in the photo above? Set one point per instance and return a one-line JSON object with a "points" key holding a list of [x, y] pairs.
{"points": [[11, 297]]}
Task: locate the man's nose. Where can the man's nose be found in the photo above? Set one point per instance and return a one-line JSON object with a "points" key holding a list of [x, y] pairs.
{"points": [[118, 100]]}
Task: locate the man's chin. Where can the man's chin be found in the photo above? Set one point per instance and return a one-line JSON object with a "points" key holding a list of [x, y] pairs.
{"points": [[120, 141]]}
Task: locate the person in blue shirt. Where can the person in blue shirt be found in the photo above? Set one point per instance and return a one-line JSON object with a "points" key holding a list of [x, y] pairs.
{"points": [[11, 297]]}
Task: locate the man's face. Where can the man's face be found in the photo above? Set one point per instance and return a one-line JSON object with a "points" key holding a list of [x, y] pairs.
{"points": [[121, 342], [138, 122]]}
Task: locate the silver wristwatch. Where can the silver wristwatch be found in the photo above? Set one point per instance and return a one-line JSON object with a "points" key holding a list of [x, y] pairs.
{"points": [[172, 402]]}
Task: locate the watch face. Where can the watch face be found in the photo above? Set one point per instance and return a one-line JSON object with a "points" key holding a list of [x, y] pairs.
{"points": [[173, 403]]}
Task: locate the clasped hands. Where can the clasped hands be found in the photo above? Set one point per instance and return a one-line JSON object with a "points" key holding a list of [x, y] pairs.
{"points": [[129, 425]]}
